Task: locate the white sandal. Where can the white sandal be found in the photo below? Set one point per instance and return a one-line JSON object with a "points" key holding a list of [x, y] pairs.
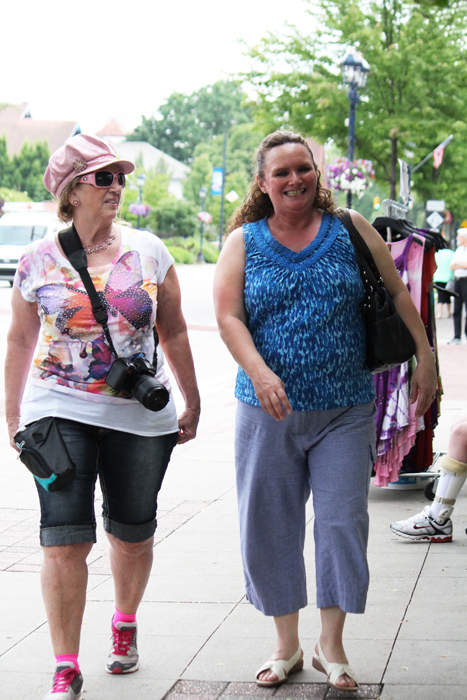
{"points": [[281, 668], [333, 671]]}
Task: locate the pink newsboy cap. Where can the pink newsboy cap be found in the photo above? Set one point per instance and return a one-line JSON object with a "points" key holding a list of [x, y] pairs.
{"points": [[80, 155]]}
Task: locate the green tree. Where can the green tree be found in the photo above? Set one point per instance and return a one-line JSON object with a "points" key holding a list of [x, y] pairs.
{"points": [[184, 121], [173, 217], [24, 172], [414, 98], [168, 216], [5, 164], [242, 142]]}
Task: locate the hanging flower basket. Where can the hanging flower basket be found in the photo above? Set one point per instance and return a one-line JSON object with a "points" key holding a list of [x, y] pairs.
{"points": [[205, 217], [353, 177], [139, 209]]}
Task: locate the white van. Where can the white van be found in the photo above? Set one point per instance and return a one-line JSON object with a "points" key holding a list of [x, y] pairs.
{"points": [[17, 230]]}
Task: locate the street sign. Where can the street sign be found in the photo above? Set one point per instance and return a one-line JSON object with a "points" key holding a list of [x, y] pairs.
{"points": [[232, 196], [435, 205], [435, 220]]}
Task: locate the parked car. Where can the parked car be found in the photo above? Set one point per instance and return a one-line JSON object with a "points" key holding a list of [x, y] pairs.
{"points": [[17, 230]]}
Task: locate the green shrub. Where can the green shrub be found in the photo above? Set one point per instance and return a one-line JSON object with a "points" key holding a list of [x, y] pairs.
{"points": [[180, 255], [210, 252]]}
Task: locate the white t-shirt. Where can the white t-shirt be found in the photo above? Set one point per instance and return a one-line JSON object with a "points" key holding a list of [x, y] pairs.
{"points": [[460, 256], [67, 377]]}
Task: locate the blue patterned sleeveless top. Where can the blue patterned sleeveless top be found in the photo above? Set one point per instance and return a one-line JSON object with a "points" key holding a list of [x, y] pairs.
{"points": [[304, 313]]}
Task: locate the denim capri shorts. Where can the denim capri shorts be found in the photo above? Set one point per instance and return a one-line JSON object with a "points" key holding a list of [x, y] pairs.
{"points": [[130, 469]]}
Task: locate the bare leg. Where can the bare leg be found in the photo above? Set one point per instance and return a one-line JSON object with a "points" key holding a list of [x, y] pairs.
{"points": [[287, 641], [333, 620], [64, 579], [131, 564], [457, 446]]}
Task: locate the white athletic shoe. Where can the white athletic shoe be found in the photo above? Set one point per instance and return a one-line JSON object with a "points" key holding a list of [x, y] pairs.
{"points": [[423, 527], [123, 656], [67, 683]]}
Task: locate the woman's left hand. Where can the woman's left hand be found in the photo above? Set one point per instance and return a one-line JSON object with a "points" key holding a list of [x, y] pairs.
{"points": [[187, 425], [424, 385]]}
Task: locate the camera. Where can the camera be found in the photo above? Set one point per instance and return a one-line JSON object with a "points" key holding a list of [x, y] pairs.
{"points": [[137, 376]]}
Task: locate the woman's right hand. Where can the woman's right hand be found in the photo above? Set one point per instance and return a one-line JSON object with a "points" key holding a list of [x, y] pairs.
{"points": [[270, 391], [13, 425]]}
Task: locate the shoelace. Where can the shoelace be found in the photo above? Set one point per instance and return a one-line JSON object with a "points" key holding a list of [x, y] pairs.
{"points": [[122, 640], [63, 680]]}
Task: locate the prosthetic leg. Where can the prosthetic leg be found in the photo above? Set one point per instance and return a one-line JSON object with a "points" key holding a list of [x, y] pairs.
{"points": [[452, 479]]}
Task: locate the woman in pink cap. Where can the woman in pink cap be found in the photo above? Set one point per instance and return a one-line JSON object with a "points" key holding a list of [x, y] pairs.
{"points": [[116, 429]]}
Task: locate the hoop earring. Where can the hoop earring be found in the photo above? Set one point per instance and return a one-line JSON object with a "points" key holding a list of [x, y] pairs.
{"points": [[75, 202]]}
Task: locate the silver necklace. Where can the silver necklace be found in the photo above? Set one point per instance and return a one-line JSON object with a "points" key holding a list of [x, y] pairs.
{"points": [[102, 246]]}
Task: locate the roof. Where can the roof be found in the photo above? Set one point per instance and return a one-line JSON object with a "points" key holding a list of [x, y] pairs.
{"points": [[18, 127], [137, 151], [14, 112], [112, 128]]}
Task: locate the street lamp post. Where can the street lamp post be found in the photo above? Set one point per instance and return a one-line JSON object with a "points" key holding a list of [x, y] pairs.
{"points": [[354, 74], [202, 195], [140, 180]]}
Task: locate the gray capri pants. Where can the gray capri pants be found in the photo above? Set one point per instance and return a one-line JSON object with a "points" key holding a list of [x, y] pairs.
{"points": [[330, 453]]}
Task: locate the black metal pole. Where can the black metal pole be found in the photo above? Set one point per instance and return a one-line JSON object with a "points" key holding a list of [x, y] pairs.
{"points": [[201, 232], [353, 99], [224, 165]]}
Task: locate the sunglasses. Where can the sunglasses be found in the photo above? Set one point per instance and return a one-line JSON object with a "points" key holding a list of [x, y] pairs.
{"points": [[103, 178]]}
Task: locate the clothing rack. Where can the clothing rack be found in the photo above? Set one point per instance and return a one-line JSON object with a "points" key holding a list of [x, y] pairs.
{"points": [[403, 448]]}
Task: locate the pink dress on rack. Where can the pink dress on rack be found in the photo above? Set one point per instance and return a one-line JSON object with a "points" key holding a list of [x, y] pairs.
{"points": [[397, 426]]}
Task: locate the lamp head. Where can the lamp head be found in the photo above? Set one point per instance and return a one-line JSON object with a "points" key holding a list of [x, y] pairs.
{"points": [[354, 69], [140, 180]]}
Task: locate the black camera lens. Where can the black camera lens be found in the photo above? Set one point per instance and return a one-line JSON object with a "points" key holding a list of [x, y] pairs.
{"points": [[149, 392]]}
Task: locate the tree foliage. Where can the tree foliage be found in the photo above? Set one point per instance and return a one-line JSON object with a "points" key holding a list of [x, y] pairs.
{"points": [[415, 95], [24, 171], [242, 143], [168, 216], [184, 121]]}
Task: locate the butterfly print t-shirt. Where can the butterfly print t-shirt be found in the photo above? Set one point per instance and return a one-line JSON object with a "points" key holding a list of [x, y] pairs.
{"points": [[73, 356]]}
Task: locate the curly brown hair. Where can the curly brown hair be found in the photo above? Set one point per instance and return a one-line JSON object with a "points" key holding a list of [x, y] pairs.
{"points": [[257, 204]]}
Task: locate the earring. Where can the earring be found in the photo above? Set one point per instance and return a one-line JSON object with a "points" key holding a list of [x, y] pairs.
{"points": [[75, 202]]}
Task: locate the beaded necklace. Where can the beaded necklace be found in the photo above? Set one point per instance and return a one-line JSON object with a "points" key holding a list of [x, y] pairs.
{"points": [[102, 246]]}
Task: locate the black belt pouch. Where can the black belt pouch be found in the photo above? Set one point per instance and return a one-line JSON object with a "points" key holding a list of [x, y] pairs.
{"points": [[43, 451]]}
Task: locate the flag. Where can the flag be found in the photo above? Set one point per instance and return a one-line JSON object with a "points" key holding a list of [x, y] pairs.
{"points": [[217, 178], [438, 157]]}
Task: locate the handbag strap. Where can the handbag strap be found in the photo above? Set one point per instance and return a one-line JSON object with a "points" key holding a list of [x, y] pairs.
{"points": [[365, 260], [74, 251]]}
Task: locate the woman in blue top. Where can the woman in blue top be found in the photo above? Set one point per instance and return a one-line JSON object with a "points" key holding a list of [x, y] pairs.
{"points": [[288, 300]]}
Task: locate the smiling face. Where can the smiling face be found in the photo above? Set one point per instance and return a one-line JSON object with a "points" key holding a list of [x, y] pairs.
{"points": [[99, 202], [289, 178]]}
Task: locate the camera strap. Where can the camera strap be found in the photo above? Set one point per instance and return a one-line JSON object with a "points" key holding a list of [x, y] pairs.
{"points": [[74, 251]]}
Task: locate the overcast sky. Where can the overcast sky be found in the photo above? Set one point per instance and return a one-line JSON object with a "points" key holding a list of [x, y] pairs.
{"points": [[92, 60]]}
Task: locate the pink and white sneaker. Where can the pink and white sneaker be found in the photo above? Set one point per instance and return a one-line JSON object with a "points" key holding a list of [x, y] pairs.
{"points": [[67, 683], [423, 527], [123, 656]]}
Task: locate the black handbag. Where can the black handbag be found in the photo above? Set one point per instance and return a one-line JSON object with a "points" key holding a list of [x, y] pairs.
{"points": [[43, 451], [389, 342]]}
